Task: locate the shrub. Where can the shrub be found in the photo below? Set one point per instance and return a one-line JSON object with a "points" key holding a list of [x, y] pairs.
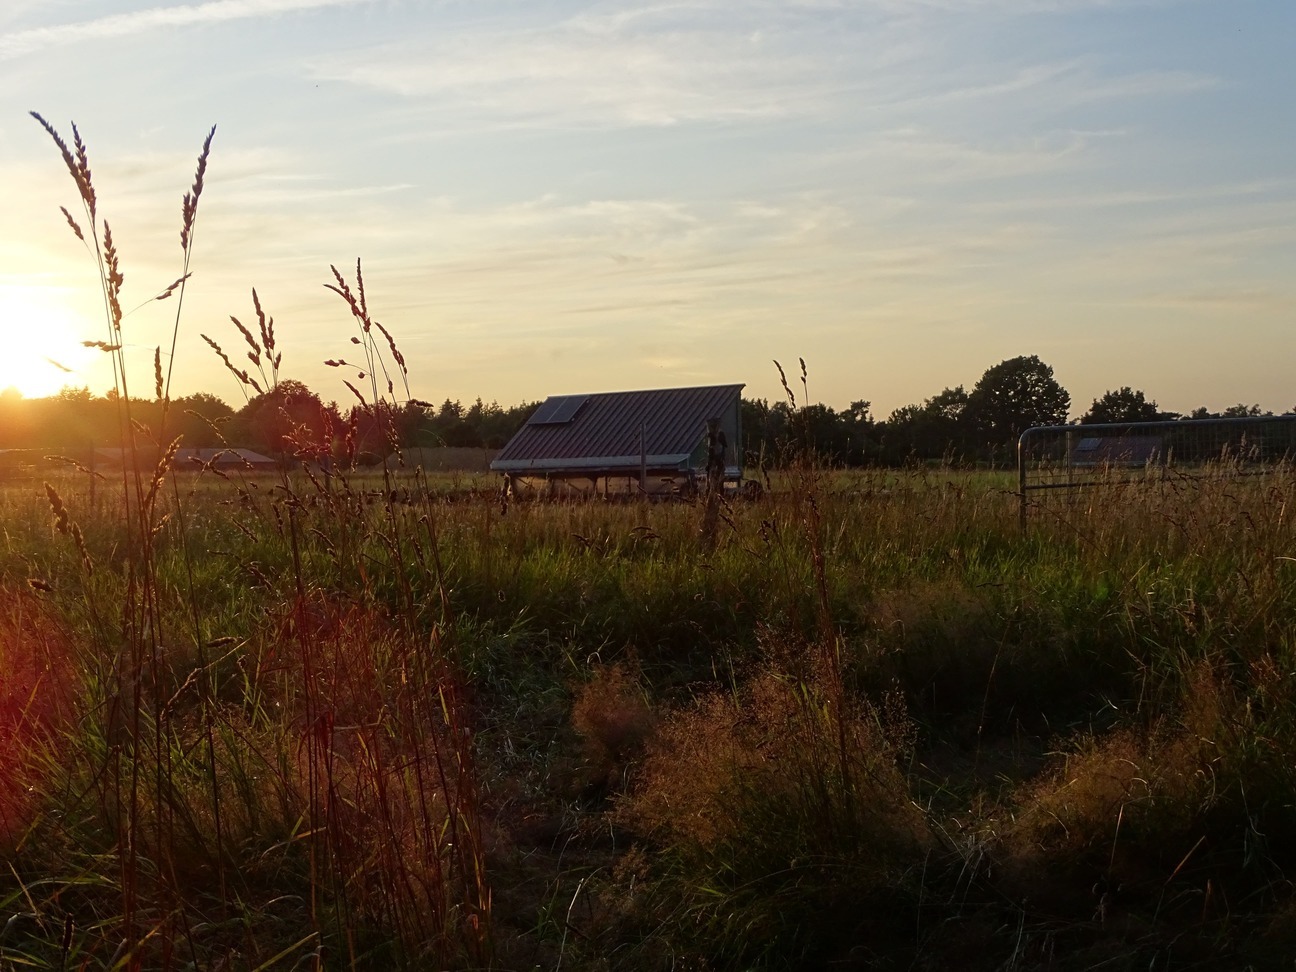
{"points": [[783, 822]]}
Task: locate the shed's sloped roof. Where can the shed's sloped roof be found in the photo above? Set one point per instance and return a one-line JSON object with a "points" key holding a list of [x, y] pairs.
{"points": [[604, 431], [1125, 450]]}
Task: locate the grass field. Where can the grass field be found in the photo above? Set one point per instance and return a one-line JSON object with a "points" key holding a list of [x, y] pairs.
{"points": [[874, 727], [380, 720]]}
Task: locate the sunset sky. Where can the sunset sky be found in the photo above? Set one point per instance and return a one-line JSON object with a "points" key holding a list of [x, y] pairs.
{"points": [[555, 196]]}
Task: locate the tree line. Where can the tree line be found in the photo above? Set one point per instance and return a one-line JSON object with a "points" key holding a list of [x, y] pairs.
{"points": [[288, 418], [956, 425]]}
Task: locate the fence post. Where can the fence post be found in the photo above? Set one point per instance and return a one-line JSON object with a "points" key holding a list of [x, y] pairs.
{"points": [[1021, 481]]}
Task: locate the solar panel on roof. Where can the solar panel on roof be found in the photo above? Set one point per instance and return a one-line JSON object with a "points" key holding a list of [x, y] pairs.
{"points": [[558, 410], [1088, 445]]}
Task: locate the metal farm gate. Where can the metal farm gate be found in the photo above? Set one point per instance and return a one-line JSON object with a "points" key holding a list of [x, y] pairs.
{"points": [[1076, 457]]}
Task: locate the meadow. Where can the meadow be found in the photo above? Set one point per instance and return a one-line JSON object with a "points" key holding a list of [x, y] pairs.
{"points": [[378, 719], [873, 727]]}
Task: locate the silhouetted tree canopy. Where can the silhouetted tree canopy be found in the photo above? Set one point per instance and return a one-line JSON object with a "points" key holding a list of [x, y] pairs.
{"points": [[1123, 405], [289, 419], [938, 428], [1014, 395]]}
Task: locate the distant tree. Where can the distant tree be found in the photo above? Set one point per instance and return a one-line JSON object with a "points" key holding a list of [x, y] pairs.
{"points": [[951, 404], [860, 432], [1014, 395], [1123, 405], [1244, 411], [774, 435], [765, 430], [498, 425], [199, 418], [1240, 410], [936, 429], [818, 431], [290, 418], [450, 427]]}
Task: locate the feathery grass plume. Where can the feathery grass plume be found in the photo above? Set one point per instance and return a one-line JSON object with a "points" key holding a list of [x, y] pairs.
{"points": [[239, 373], [783, 380], [79, 539], [188, 216], [157, 371], [62, 521], [343, 290], [101, 345], [377, 364], [73, 223], [172, 288], [261, 352], [254, 355], [77, 167], [189, 207], [267, 333], [397, 357], [83, 167], [355, 391], [113, 278], [360, 290], [61, 367], [163, 466]]}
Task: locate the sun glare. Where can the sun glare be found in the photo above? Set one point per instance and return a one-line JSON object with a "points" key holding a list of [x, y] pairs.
{"points": [[40, 351]]}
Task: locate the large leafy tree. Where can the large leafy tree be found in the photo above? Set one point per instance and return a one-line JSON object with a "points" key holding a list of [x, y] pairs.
{"points": [[1014, 395], [1123, 405], [290, 418], [199, 418]]}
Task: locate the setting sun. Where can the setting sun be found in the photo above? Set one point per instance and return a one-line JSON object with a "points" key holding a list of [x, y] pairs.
{"points": [[42, 350]]}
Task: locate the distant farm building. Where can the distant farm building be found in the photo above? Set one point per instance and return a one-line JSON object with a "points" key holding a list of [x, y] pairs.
{"points": [[225, 460], [627, 442], [191, 460], [21, 464], [1126, 451]]}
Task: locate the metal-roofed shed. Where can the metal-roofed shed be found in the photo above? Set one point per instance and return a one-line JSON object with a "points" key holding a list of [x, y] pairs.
{"points": [[1128, 451], [624, 442]]}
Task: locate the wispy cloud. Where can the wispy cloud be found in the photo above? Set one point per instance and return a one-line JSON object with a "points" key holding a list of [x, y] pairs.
{"points": [[619, 65], [35, 39], [1147, 84], [662, 64], [573, 78]]}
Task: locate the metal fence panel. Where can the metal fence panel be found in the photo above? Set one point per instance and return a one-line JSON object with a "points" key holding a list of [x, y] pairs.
{"points": [[1069, 458]]}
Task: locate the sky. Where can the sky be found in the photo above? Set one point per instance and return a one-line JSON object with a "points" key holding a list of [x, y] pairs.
{"points": [[558, 197]]}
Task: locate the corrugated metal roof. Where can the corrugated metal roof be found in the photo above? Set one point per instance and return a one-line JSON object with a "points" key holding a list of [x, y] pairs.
{"points": [[1125, 450], [604, 433]]}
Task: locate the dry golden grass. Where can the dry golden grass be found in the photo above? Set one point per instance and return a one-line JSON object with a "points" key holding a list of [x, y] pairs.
{"points": [[613, 717]]}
